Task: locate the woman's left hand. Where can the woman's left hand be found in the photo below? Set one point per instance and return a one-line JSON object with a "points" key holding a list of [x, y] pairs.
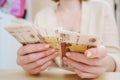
{"points": [[91, 64]]}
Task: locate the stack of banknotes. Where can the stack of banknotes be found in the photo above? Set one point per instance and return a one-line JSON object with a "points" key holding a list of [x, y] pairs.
{"points": [[61, 40]]}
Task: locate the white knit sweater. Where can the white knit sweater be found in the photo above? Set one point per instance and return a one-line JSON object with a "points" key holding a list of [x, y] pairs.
{"points": [[97, 18]]}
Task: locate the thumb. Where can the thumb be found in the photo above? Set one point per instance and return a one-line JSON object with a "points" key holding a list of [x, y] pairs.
{"points": [[99, 52]]}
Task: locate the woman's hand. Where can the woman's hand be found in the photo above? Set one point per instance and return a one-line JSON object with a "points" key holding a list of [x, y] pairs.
{"points": [[35, 58], [94, 62]]}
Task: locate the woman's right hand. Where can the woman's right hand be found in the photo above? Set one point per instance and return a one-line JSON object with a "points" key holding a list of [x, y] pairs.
{"points": [[35, 58]]}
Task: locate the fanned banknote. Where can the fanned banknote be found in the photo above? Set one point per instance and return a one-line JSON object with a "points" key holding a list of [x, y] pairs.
{"points": [[24, 32], [75, 42], [61, 40]]}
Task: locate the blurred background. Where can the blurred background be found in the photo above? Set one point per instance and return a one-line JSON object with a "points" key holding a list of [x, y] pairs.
{"points": [[13, 10]]}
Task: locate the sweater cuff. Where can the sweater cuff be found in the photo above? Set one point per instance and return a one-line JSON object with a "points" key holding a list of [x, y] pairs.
{"points": [[116, 57]]}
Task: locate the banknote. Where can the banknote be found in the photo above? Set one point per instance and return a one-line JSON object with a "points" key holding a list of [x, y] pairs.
{"points": [[30, 34], [25, 34], [61, 40], [76, 42]]}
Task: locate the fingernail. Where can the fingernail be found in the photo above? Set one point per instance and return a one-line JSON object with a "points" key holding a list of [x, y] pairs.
{"points": [[47, 46], [52, 50], [68, 54], [89, 54]]}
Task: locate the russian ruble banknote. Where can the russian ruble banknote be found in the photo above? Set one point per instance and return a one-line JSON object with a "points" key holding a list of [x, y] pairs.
{"points": [[62, 40]]}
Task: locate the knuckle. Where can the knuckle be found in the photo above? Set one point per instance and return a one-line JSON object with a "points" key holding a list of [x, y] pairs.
{"points": [[26, 49], [18, 62], [20, 50]]}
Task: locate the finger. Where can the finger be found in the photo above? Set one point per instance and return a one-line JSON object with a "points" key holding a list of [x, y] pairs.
{"points": [[34, 56], [45, 66], [68, 67], [78, 57], [39, 62], [85, 75], [99, 52], [85, 68], [32, 48], [42, 68], [46, 59]]}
